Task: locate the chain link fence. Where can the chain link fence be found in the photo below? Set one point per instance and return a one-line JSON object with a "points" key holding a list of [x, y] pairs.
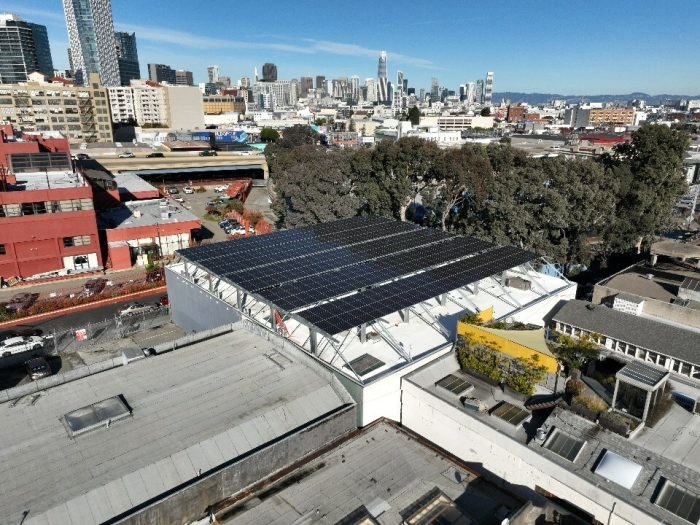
{"points": [[114, 332]]}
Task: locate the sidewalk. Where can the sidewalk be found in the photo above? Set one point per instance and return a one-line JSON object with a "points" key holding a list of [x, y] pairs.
{"points": [[74, 284]]}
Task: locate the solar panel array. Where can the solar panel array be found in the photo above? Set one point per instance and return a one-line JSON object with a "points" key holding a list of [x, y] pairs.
{"points": [[367, 267]]}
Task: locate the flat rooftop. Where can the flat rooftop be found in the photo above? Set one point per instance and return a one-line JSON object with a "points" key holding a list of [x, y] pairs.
{"points": [[668, 450], [193, 408], [132, 183], [52, 180], [660, 282], [383, 469], [149, 212]]}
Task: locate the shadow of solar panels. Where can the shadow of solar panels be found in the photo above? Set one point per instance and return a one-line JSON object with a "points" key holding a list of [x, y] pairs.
{"points": [[510, 413], [365, 364], [679, 501], [325, 286], [454, 384], [564, 445], [366, 306]]}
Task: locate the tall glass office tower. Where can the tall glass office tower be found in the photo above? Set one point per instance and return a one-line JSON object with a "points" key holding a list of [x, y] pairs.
{"points": [[24, 49], [92, 44], [382, 81], [128, 57]]}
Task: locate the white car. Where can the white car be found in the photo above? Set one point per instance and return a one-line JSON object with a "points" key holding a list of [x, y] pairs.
{"points": [[136, 308], [222, 188], [188, 190], [126, 155], [16, 345]]}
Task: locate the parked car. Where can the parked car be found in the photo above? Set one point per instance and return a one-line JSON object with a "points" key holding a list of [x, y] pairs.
{"points": [[179, 199], [21, 301], [236, 230], [126, 155], [225, 222], [16, 345], [189, 190], [94, 286], [20, 331], [37, 367], [82, 156], [172, 190], [164, 301], [221, 188], [155, 154], [223, 197], [136, 308], [207, 153]]}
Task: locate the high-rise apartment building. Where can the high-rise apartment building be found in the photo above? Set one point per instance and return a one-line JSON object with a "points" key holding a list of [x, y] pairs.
{"points": [[282, 93], [470, 93], [305, 84], [42, 48], [128, 57], [382, 80], [24, 49], [320, 82], [488, 90], [434, 89], [400, 82], [244, 82], [161, 73], [269, 72], [213, 74], [371, 85], [92, 43], [184, 78], [355, 87], [479, 92]]}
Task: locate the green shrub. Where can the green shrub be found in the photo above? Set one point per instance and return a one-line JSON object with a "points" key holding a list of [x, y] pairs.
{"points": [[575, 387], [591, 402]]}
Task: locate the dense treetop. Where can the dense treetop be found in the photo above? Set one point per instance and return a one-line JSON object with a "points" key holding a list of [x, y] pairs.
{"points": [[554, 206]]}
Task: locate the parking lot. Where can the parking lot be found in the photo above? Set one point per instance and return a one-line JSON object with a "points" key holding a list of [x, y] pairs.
{"points": [[258, 200]]}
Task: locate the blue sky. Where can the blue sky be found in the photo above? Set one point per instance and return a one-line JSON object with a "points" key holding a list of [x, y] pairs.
{"points": [[593, 47]]}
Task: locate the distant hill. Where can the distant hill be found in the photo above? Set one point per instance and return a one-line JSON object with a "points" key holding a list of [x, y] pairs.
{"points": [[541, 98]]}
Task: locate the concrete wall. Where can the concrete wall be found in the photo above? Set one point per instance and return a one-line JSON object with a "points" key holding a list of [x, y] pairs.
{"points": [[191, 502], [496, 455], [664, 310], [193, 309]]}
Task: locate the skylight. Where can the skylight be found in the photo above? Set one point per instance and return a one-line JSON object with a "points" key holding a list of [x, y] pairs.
{"points": [[102, 413], [564, 445], [679, 501], [617, 469]]}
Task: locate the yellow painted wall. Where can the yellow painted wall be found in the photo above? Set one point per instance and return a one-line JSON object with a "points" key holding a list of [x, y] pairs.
{"points": [[507, 347]]}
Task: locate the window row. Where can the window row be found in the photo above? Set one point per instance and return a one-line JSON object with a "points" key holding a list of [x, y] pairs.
{"points": [[37, 208]]}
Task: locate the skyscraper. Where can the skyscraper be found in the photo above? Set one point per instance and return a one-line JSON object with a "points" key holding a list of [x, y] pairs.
{"points": [[320, 82], [479, 92], [161, 73], [305, 84], [434, 89], [399, 81], [488, 92], [184, 78], [213, 74], [128, 57], [21, 46], [244, 82], [382, 81], [41, 46], [469, 95], [269, 72], [92, 43]]}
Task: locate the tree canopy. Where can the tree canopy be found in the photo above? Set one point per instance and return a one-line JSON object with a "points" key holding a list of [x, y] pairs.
{"points": [[554, 206], [269, 135]]}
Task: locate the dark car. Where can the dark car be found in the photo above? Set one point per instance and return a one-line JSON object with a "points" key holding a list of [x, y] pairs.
{"points": [[37, 367], [20, 331], [154, 155], [94, 286], [172, 190], [163, 301], [21, 301], [207, 153], [82, 156]]}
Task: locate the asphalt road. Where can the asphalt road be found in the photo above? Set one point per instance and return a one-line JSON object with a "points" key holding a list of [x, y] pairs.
{"points": [[96, 315]]}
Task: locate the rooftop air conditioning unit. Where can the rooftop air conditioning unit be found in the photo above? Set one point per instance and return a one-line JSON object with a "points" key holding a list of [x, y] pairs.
{"points": [[164, 215], [137, 214]]}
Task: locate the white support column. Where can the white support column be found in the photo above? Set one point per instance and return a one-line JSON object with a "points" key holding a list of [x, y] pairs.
{"points": [[272, 317], [239, 299], [404, 315], [363, 333], [442, 299], [313, 342]]}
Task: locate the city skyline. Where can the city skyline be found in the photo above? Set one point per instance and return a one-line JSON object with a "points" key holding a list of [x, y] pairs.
{"points": [[423, 44]]}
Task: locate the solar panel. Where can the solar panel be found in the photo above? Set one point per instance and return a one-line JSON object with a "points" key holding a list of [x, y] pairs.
{"points": [[303, 292], [679, 501], [366, 306], [454, 384], [564, 445], [365, 364], [510, 413]]}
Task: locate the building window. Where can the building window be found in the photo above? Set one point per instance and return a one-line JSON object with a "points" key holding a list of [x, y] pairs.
{"points": [[79, 240], [2, 249]]}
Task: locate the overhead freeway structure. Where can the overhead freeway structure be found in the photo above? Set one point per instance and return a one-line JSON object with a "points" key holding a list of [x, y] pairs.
{"points": [[369, 296]]}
